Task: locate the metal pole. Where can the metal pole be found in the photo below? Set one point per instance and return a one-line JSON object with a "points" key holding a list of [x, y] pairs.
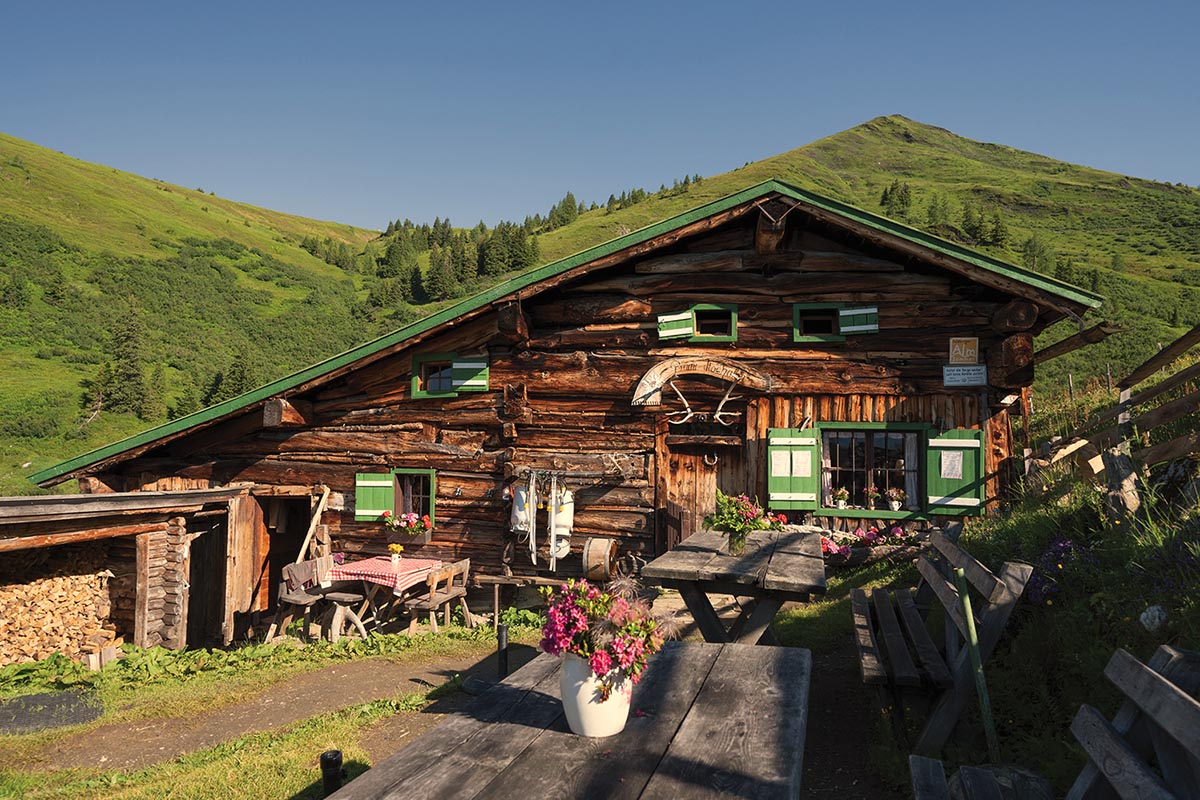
{"points": [[502, 651], [985, 703], [331, 771]]}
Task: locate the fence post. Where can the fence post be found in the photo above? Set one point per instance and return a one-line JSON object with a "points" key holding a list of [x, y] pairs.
{"points": [[972, 643]]}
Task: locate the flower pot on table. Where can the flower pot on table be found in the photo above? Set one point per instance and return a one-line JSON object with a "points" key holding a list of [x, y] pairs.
{"points": [[593, 706]]}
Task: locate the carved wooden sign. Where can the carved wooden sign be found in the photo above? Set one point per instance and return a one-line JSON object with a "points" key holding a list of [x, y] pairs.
{"points": [[649, 388]]}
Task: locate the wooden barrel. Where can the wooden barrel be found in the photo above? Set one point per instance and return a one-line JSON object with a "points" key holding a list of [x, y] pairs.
{"points": [[599, 558]]}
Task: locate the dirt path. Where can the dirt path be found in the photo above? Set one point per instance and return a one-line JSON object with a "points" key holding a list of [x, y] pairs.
{"points": [[140, 744]]}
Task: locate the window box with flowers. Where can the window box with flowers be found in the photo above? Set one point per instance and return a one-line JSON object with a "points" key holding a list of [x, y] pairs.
{"points": [[870, 545]]}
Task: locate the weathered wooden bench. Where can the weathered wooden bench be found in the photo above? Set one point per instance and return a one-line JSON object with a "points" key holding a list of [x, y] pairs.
{"points": [[445, 586], [899, 620], [1150, 749]]}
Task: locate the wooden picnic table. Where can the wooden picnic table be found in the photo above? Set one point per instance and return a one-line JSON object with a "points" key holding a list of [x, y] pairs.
{"points": [[706, 721], [776, 567], [384, 583]]}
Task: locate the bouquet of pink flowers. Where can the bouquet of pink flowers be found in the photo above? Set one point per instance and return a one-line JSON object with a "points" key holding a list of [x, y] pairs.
{"points": [[409, 524], [610, 629]]}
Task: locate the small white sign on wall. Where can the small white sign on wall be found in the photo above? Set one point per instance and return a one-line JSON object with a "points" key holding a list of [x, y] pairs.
{"points": [[974, 375], [952, 465]]}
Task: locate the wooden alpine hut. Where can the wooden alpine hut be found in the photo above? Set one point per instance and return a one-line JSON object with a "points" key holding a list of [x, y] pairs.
{"points": [[774, 343]]}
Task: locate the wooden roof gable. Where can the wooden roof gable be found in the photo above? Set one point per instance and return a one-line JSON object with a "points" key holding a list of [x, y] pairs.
{"points": [[1041, 289]]}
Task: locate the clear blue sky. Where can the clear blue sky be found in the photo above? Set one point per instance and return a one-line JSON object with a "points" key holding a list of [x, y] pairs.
{"points": [[365, 112]]}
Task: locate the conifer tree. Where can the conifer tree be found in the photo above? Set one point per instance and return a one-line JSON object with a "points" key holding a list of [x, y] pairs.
{"points": [[188, 402], [127, 388], [998, 233], [154, 402]]}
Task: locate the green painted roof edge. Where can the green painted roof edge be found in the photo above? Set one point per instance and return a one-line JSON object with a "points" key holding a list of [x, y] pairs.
{"points": [[525, 279]]}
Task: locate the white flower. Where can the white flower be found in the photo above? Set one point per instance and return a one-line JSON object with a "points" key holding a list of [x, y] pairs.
{"points": [[1153, 618]]}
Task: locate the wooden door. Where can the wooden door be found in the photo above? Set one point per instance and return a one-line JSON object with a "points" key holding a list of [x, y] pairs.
{"points": [[247, 563], [206, 584], [692, 484]]}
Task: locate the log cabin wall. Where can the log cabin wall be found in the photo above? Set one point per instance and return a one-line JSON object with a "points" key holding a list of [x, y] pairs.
{"points": [[563, 364]]}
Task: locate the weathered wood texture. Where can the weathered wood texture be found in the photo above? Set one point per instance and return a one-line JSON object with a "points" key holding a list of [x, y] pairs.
{"points": [[564, 362], [708, 711]]}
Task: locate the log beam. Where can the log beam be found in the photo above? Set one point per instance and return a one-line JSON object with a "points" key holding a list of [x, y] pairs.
{"points": [[512, 324], [1011, 364], [279, 412], [1096, 333], [1015, 316], [772, 225]]}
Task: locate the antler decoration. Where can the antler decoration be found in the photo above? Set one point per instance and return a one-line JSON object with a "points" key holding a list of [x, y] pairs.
{"points": [[720, 414], [687, 411]]}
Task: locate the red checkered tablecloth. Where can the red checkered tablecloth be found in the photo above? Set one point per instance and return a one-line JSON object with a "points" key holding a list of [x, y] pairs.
{"points": [[408, 572]]}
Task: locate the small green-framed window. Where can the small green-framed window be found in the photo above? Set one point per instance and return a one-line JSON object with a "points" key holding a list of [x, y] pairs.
{"points": [[832, 322], [447, 374], [433, 375], [714, 322], [399, 491], [816, 322], [704, 322]]}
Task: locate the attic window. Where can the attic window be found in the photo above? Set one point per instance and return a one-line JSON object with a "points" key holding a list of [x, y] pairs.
{"points": [[816, 322], [433, 375], [714, 322]]}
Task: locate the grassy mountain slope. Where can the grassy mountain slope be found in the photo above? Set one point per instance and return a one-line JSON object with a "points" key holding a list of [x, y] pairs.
{"points": [[221, 284], [215, 282]]}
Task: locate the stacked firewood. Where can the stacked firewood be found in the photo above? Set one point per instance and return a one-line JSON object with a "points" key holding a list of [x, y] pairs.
{"points": [[55, 599]]}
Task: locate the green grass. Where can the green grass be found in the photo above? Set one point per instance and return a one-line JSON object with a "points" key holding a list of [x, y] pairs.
{"points": [[283, 764], [263, 765]]}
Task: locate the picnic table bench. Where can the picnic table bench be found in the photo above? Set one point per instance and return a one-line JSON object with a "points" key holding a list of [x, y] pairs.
{"points": [[898, 619], [777, 566], [1150, 749], [707, 720]]}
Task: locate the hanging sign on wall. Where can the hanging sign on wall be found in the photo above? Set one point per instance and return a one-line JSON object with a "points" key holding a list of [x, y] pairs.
{"points": [[964, 350]]}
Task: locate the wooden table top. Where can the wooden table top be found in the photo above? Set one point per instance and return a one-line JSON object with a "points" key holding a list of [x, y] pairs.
{"points": [[786, 563], [707, 720]]}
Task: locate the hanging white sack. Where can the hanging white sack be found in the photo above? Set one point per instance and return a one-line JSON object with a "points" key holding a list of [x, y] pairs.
{"points": [[564, 520], [519, 518]]}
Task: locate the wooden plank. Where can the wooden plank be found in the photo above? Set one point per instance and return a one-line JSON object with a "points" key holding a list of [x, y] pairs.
{"points": [[15, 509], [1119, 764], [703, 613], [979, 784], [1096, 333], [980, 576], [869, 660], [1179, 447], [946, 594], [1172, 709], [903, 671], [141, 599], [559, 763], [744, 735], [928, 778], [796, 564], [279, 412], [1179, 667], [992, 619], [11, 544], [462, 754], [1160, 359], [757, 622], [935, 667], [750, 567]]}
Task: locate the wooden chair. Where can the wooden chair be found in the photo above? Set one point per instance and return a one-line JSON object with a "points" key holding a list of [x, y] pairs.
{"points": [[1150, 749], [898, 619], [290, 604], [341, 608], [445, 586]]}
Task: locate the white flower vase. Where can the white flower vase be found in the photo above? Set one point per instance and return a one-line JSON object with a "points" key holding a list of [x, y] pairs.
{"points": [[895, 505], [840, 503], [395, 560], [587, 714]]}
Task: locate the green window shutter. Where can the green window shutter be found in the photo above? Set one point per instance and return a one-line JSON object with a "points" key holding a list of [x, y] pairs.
{"points": [[862, 319], [675, 326], [470, 374], [374, 493], [793, 469], [954, 479]]}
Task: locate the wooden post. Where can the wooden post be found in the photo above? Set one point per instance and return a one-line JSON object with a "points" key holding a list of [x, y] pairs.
{"points": [[1108, 376], [141, 599], [972, 642]]}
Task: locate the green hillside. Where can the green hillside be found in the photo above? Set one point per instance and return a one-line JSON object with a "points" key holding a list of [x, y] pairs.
{"points": [[219, 288], [224, 296]]}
